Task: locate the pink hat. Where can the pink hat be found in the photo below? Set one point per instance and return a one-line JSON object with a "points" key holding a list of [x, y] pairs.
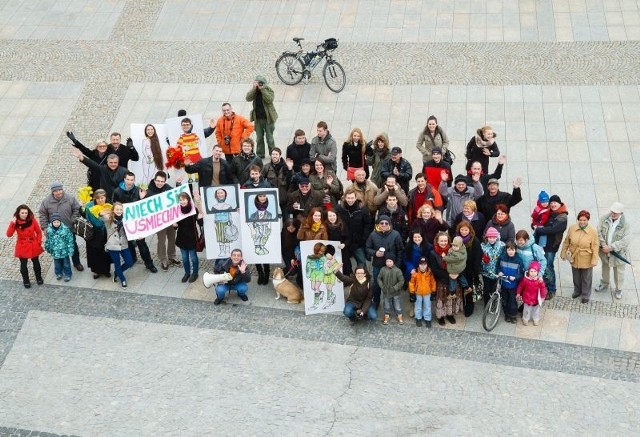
{"points": [[535, 265], [492, 232]]}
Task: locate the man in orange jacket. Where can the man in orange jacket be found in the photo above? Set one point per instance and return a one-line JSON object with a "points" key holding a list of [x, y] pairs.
{"points": [[231, 128]]}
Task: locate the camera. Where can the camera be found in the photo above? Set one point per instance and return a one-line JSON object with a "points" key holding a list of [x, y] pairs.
{"points": [[227, 140], [261, 83]]}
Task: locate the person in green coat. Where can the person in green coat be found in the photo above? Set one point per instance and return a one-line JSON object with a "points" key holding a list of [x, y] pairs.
{"points": [[263, 115], [391, 281], [60, 245]]}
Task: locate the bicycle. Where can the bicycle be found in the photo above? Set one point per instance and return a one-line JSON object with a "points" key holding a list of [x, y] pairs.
{"points": [[493, 309], [293, 67]]}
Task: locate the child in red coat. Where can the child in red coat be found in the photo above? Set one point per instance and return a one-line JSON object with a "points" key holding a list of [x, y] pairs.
{"points": [[533, 292], [540, 216]]}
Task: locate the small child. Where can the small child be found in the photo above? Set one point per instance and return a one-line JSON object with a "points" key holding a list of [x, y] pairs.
{"points": [[422, 284], [510, 271], [533, 291], [60, 244], [391, 281], [540, 216], [456, 260], [492, 248]]}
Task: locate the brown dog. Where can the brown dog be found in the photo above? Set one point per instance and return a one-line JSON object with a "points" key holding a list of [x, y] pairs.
{"points": [[285, 288]]}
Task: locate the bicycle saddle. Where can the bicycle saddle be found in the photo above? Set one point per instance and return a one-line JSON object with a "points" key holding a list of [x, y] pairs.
{"points": [[298, 39]]}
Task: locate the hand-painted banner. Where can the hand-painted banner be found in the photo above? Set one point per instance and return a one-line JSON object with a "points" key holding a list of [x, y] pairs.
{"points": [[152, 214]]}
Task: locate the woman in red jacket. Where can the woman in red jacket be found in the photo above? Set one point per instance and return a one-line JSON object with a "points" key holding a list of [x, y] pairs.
{"points": [[29, 243]]}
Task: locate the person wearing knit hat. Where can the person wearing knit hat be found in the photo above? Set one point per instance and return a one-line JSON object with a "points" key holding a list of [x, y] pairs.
{"points": [[54, 217], [456, 260], [67, 207], [263, 114], [533, 292], [553, 229], [540, 216], [462, 190], [492, 248], [381, 243], [390, 280], [60, 245], [614, 239], [580, 248]]}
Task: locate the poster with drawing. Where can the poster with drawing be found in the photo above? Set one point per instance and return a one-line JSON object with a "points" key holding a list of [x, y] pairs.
{"points": [[186, 134], [323, 293], [260, 226], [149, 141], [221, 220]]}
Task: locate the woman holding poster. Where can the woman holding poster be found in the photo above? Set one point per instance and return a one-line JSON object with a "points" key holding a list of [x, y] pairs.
{"points": [[223, 221], [260, 228]]}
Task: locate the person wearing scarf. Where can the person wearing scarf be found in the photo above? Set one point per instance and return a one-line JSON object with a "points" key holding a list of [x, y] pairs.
{"points": [[313, 227], [375, 154], [28, 243], [260, 227], [446, 305], [580, 248], [481, 147], [502, 222], [117, 245], [98, 260], [473, 269]]}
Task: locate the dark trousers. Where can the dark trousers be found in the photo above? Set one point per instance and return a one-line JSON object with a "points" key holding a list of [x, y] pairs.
{"points": [[145, 254], [509, 304], [75, 258], [25, 272], [489, 287]]}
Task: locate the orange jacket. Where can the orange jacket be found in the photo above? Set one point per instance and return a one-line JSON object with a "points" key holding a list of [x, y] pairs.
{"points": [[422, 283], [237, 127]]}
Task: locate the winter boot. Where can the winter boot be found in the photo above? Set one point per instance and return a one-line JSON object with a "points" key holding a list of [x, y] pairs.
{"points": [[38, 271], [260, 273], [25, 276]]}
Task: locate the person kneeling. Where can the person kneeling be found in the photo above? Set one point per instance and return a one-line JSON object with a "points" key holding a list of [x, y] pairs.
{"points": [[237, 268], [358, 303]]}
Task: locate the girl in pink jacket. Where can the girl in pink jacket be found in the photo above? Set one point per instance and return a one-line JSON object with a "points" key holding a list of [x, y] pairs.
{"points": [[533, 292]]}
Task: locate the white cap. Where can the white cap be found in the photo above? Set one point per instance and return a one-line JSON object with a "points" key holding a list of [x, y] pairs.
{"points": [[617, 207]]}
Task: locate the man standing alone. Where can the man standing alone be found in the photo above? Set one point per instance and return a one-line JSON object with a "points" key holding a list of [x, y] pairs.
{"points": [[614, 236], [263, 115]]}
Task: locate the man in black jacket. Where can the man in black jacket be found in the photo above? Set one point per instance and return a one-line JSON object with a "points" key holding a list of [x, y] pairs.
{"points": [[359, 223], [166, 253], [127, 192], [488, 201], [125, 153], [298, 150], [111, 173], [212, 170]]}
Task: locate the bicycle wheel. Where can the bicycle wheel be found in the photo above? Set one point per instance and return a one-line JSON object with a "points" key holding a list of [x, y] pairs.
{"points": [[289, 69], [492, 313], [334, 76]]}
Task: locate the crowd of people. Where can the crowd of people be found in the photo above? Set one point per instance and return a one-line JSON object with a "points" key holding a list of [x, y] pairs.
{"points": [[450, 239]]}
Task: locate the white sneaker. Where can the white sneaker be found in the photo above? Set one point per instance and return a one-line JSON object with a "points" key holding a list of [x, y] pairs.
{"points": [[618, 294], [602, 287]]}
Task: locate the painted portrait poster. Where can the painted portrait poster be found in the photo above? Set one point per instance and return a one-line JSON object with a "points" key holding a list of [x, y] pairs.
{"points": [[187, 135], [149, 141], [260, 226], [220, 205], [323, 293]]}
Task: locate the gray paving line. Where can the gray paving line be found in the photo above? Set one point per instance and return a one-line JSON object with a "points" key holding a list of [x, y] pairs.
{"points": [[15, 303], [20, 432], [540, 63]]}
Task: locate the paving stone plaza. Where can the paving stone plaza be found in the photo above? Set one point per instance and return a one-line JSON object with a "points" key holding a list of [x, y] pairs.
{"points": [[557, 79]]}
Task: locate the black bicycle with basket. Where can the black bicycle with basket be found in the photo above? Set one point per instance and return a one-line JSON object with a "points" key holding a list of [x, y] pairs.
{"points": [[293, 67]]}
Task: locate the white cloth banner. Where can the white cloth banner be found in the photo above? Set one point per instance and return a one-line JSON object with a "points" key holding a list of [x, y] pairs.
{"points": [[152, 214]]}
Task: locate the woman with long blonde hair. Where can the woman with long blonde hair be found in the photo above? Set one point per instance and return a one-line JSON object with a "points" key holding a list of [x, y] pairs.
{"points": [[353, 151]]}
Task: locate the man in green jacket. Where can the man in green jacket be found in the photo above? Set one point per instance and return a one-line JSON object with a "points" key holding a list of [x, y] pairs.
{"points": [[263, 114]]}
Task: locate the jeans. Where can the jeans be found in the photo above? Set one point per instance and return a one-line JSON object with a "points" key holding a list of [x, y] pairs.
{"points": [[190, 253], [453, 283], [62, 265], [241, 288], [145, 254], [422, 307], [264, 129], [550, 273], [395, 301], [120, 268], [350, 311], [360, 255]]}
